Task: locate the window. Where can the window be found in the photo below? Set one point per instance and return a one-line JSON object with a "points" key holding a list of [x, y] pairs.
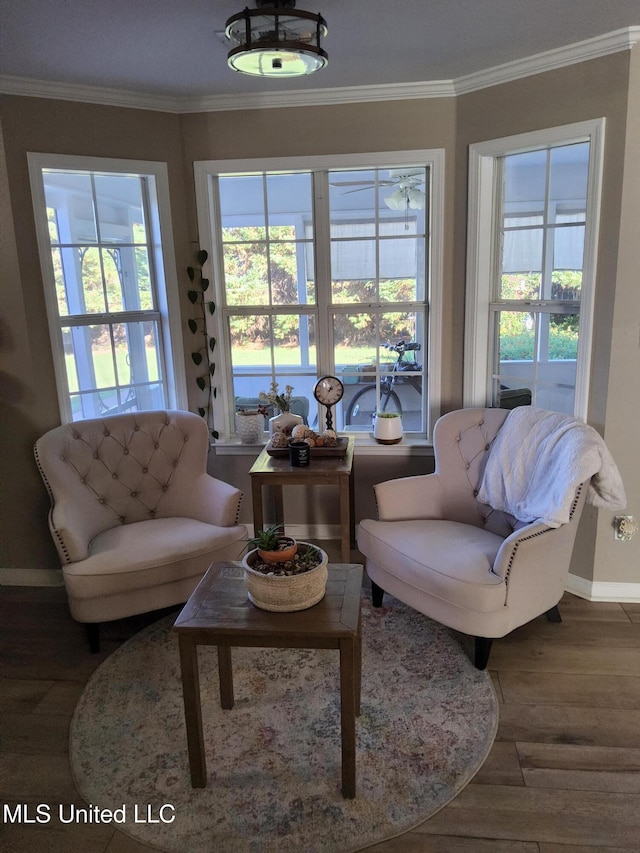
{"points": [[531, 272], [104, 238], [316, 269]]}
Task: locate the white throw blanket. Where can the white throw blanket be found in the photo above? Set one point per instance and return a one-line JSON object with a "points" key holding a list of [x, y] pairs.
{"points": [[537, 461]]}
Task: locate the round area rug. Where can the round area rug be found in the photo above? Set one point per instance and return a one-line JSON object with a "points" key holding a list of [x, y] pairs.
{"points": [[427, 723]]}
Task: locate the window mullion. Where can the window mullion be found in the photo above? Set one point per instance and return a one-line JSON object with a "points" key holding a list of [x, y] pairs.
{"points": [[322, 235]]}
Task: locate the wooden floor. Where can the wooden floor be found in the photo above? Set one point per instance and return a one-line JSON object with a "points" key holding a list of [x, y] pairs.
{"points": [[563, 775]]}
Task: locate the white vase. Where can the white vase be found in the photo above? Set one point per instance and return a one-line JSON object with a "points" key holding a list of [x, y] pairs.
{"points": [[250, 427], [284, 422], [387, 429]]}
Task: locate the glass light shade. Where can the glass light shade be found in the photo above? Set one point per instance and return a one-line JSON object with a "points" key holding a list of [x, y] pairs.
{"points": [[276, 42], [400, 199], [396, 201], [416, 199]]}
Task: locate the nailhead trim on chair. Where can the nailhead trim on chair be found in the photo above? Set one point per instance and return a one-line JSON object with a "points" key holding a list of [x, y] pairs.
{"points": [[62, 548], [541, 533]]}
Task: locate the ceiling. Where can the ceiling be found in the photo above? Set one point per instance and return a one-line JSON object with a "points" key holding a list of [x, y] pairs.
{"points": [[174, 48]]}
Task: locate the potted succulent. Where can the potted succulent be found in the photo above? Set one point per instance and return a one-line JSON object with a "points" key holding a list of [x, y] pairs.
{"points": [[293, 581], [272, 545], [387, 427]]}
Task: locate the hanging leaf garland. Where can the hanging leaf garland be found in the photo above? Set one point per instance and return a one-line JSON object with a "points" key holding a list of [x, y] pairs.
{"points": [[198, 326]]}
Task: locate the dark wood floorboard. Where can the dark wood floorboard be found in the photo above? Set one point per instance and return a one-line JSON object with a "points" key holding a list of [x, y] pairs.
{"points": [[563, 775]]}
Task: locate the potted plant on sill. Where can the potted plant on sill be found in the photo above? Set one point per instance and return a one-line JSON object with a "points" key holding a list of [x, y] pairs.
{"points": [[279, 580], [250, 425], [387, 427]]}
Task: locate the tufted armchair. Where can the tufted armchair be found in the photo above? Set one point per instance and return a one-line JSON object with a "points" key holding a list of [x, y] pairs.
{"points": [[134, 515], [435, 547]]}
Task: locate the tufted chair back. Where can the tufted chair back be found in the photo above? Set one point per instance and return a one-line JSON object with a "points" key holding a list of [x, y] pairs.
{"points": [[462, 440], [121, 469]]}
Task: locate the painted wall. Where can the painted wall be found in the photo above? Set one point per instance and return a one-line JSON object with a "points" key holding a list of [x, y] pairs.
{"points": [[592, 89], [604, 87]]}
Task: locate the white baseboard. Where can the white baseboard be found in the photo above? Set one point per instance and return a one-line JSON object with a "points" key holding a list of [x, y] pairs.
{"points": [[603, 590], [31, 577]]}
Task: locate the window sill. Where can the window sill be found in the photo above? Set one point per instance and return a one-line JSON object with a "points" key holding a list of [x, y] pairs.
{"points": [[365, 445]]}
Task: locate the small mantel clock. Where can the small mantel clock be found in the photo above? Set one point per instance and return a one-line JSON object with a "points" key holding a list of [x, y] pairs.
{"points": [[328, 392]]}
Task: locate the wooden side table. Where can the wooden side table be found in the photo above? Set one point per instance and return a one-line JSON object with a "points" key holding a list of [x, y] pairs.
{"points": [[219, 613], [332, 470]]}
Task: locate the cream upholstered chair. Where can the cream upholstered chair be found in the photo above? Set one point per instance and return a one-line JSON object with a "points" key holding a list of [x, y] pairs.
{"points": [[438, 549], [134, 515]]}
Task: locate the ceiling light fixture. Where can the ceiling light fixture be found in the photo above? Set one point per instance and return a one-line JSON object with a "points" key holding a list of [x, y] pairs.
{"points": [[406, 197], [276, 40]]}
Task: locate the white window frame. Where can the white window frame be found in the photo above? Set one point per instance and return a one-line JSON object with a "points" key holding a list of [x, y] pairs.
{"points": [[481, 231], [433, 159], [165, 266]]}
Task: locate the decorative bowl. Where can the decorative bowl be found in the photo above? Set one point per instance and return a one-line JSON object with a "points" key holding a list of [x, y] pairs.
{"points": [[286, 593]]}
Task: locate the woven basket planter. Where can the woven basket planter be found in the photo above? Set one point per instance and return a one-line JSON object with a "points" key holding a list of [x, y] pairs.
{"points": [[286, 593]]}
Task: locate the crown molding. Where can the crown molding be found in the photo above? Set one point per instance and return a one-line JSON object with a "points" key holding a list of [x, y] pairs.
{"points": [[614, 42], [87, 94], [549, 60], [320, 97]]}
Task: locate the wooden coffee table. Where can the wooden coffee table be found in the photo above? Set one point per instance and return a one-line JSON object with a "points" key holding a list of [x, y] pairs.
{"points": [[219, 613]]}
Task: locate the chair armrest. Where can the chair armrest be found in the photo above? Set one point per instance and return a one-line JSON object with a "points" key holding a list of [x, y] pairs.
{"points": [[516, 544], [535, 562], [421, 496], [215, 502]]}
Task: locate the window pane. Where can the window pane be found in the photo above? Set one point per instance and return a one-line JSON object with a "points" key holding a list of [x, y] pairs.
{"points": [[537, 355], [288, 271], [522, 251], [567, 285], [353, 261], [563, 336], [120, 208], [245, 274], [520, 286], [289, 202], [568, 179], [85, 291], [53, 225], [70, 194], [256, 339], [517, 336], [373, 373], [250, 337], [126, 273], [241, 205], [399, 266], [294, 341], [61, 291], [353, 196], [525, 182], [137, 357], [568, 248], [89, 358]]}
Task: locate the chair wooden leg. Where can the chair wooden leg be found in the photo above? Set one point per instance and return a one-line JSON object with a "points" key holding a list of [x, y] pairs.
{"points": [[483, 650], [93, 635], [553, 615], [376, 594]]}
